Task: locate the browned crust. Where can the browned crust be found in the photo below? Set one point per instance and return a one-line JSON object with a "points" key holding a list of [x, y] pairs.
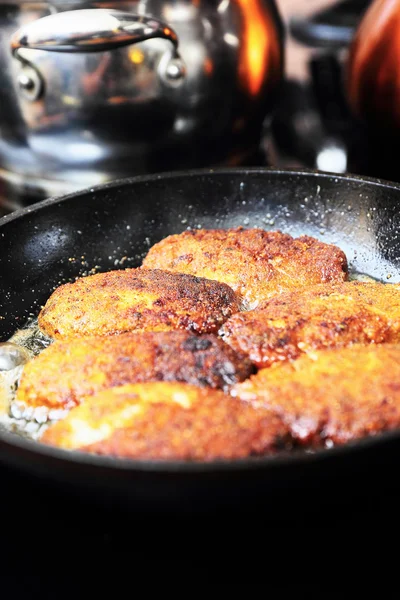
{"points": [[67, 371], [257, 264], [321, 316], [136, 300], [334, 396], [203, 425]]}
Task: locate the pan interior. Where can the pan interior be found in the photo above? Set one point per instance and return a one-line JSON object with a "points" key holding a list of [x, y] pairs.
{"points": [[113, 226]]}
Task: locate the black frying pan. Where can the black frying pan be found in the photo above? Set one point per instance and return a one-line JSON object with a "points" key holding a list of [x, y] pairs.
{"points": [[104, 224]]}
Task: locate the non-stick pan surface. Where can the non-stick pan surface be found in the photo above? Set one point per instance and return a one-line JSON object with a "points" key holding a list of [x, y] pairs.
{"points": [[112, 226]]}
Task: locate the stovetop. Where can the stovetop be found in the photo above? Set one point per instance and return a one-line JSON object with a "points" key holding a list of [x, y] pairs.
{"points": [[313, 126]]}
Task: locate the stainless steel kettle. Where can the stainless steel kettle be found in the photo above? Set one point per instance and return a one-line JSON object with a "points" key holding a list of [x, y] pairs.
{"points": [[97, 91]]}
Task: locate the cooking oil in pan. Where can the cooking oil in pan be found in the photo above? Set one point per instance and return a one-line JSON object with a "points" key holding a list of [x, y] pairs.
{"points": [[23, 345], [360, 277]]}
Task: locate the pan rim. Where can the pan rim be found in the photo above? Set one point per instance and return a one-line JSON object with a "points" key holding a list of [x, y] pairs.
{"points": [[166, 175], [220, 465], [158, 466]]}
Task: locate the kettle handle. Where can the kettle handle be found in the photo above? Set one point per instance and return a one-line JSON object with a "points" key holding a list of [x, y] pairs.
{"points": [[89, 30]]}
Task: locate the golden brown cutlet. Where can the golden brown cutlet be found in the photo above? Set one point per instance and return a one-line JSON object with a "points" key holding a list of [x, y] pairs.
{"points": [[257, 264], [66, 371], [333, 396], [165, 420], [322, 316], [136, 300]]}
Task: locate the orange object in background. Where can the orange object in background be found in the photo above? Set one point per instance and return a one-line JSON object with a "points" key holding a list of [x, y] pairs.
{"points": [[373, 71], [261, 50]]}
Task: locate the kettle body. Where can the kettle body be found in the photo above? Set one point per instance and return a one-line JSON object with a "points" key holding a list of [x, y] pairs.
{"points": [[95, 92]]}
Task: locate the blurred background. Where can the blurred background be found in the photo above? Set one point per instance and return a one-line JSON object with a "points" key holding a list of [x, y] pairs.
{"points": [[245, 86], [313, 125], [297, 54]]}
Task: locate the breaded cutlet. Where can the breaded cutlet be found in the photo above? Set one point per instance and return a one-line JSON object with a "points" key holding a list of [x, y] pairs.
{"points": [[326, 315], [136, 300], [255, 263], [166, 421], [66, 371], [333, 396]]}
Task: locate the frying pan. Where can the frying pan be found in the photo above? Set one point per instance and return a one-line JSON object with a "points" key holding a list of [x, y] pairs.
{"points": [[112, 226]]}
